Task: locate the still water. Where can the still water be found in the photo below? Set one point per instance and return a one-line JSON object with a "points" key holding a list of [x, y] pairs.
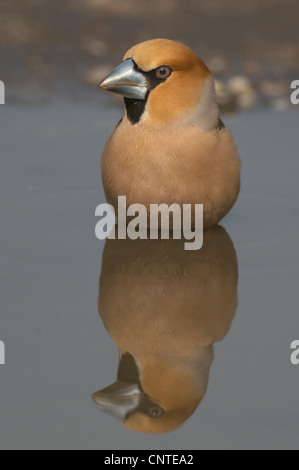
{"points": [[192, 346]]}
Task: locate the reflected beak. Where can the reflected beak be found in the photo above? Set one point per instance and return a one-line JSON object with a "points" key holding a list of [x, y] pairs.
{"points": [[118, 399], [126, 81]]}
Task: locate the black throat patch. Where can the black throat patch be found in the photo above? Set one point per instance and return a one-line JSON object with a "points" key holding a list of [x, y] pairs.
{"points": [[128, 372], [135, 108]]}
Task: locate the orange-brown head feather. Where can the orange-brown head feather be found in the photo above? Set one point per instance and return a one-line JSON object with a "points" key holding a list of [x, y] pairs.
{"points": [[177, 99]]}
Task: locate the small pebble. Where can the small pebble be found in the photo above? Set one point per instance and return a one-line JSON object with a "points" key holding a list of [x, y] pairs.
{"points": [[217, 65], [94, 46], [280, 104], [241, 87], [96, 74]]}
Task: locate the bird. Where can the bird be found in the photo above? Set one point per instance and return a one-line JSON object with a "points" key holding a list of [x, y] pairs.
{"points": [[164, 308], [171, 145]]}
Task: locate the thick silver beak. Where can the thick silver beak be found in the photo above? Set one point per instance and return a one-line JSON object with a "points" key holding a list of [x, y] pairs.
{"points": [[126, 81], [118, 399]]}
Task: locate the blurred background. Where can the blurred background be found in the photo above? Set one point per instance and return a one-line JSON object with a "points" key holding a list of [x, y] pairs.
{"points": [[53, 128], [55, 48]]}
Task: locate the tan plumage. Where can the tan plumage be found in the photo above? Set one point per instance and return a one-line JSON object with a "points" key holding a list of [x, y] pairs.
{"points": [[166, 307], [178, 151]]}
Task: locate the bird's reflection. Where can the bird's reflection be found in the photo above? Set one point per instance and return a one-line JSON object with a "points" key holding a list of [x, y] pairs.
{"points": [[164, 308]]}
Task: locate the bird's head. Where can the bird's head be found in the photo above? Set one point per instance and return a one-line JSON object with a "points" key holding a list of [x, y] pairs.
{"points": [[165, 83], [153, 397]]}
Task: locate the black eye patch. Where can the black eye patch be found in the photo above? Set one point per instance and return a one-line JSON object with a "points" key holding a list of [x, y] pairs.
{"points": [[134, 107], [156, 76]]}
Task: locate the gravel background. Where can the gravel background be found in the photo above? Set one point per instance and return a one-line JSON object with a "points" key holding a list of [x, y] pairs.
{"points": [[60, 48]]}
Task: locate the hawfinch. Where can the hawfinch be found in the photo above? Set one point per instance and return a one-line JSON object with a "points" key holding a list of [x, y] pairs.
{"points": [[171, 145], [164, 307]]}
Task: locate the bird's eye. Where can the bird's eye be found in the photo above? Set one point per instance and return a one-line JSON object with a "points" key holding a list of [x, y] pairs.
{"points": [[163, 72], [156, 411]]}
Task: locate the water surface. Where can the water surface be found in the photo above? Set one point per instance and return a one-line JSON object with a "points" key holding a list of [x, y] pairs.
{"points": [[58, 351]]}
